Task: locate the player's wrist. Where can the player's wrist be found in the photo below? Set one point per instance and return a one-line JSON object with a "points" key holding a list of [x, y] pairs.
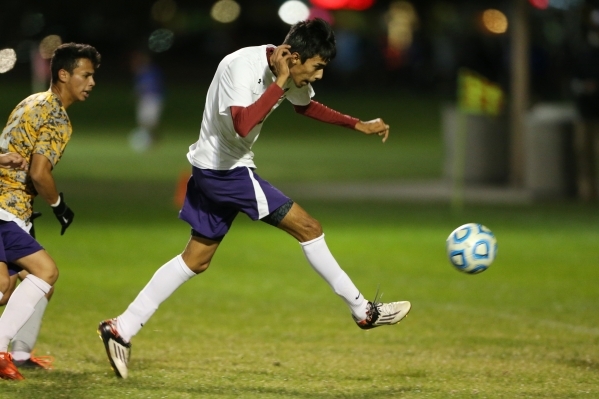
{"points": [[58, 201], [59, 207], [281, 80]]}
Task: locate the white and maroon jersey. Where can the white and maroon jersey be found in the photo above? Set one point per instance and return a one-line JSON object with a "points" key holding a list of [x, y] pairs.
{"points": [[240, 79]]}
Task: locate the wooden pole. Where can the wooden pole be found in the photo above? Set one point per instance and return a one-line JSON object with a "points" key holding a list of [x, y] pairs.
{"points": [[519, 90]]}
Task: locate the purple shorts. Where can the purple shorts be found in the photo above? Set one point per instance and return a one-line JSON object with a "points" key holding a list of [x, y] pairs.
{"points": [[215, 197], [15, 243]]}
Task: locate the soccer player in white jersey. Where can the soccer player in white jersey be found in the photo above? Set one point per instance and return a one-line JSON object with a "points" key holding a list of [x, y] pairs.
{"points": [[248, 85]]}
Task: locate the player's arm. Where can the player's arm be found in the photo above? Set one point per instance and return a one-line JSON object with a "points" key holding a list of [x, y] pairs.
{"points": [[12, 160], [325, 114], [246, 118], [43, 181]]}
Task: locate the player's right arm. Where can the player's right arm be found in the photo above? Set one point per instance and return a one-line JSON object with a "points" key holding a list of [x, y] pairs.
{"points": [[246, 118], [12, 160]]}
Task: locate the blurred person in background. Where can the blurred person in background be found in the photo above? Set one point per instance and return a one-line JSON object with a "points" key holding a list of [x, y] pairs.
{"points": [[248, 85], [149, 94], [38, 129]]}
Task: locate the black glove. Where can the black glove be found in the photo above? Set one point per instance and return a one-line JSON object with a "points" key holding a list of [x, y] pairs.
{"points": [[63, 213], [34, 216]]}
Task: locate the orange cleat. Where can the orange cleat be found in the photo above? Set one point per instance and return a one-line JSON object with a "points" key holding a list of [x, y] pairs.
{"points": [[8, 370], [35, 362]]}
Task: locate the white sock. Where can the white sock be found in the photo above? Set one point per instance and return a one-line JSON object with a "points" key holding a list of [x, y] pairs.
{"points": [[165, 281], [20, 307], [326, 266], [25, 339]]}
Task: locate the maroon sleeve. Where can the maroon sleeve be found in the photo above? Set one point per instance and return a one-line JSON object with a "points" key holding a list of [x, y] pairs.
{"points": [[323, 113], [246, 118]]}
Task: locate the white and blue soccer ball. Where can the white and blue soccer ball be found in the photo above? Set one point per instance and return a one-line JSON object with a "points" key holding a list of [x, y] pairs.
{"points": [[471, 248]]}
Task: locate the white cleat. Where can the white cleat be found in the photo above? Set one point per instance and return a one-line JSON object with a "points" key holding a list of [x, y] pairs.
{"points": [[117, 350], [384, 314]]}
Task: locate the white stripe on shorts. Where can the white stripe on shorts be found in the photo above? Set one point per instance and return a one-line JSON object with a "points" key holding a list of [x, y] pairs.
{"points": [[260, 197]]}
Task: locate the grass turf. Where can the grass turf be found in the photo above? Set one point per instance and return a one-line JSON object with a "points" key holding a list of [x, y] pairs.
{"points": [[261, 324]]}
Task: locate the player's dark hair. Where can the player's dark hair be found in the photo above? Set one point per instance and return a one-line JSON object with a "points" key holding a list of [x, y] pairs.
{"points": [[66, 55], [311, 38]]}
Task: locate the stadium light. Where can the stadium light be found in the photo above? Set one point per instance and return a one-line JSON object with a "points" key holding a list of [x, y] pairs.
{"points": [[293, 11], [358, 5], [494, 21], [48, 45], [161, 40], [540, 4], [225, 11], [8, 58]]}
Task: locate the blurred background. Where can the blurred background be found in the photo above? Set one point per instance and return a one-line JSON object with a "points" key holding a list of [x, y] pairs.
{"points": [[496, 89]]}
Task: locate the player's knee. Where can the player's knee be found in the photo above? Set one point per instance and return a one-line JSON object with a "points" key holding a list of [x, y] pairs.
{"points": [[311, 229], [48, 274], [198, 267], [4, 285]]}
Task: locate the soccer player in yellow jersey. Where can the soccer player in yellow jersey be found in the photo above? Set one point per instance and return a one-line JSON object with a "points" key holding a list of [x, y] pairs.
{"points": [[38, 129]]}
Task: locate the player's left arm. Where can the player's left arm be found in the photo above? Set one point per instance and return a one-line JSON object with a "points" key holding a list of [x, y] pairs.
{"points": [[12, 160], [325, 114]]}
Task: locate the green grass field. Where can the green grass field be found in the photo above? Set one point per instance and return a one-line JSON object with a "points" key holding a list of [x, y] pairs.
{"points": [[261, 324]]}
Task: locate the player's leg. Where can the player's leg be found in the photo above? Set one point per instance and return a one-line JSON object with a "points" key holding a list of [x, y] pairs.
{"points": [[117, 333], [23, 343], [308, 231], [4, 282], [12, 284], [21, 304], [194, 260], [8, 370]]}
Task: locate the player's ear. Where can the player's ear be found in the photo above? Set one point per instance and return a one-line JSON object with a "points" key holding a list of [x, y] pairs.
{"points": [[295, 58], [63, 75]]}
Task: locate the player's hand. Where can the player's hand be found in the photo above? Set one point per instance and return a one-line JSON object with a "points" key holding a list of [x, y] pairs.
{"points": [[34, 216], [12, 160], [279, 63], [63, 213], [375, 126]]}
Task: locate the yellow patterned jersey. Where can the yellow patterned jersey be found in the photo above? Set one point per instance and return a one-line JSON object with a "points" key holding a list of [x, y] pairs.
{"points": [[38, 125]]}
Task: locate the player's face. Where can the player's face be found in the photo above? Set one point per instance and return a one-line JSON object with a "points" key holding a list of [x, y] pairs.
{"points": [[81, 82], [308, 72]]}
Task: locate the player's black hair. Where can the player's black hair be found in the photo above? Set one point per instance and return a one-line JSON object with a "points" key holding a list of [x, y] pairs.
{"points": [[66, 55], [311, 38]]}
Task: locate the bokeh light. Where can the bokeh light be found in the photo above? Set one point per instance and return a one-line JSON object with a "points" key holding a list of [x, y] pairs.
{"points": [[494, 21], [225, 11], [317, 12], [540, 4], [164, 10], [293, 11], [8, 58], [48, 45], [358, 5], [161, 40]]}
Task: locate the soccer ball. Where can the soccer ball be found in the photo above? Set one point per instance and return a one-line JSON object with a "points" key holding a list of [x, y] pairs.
{"points": [[471, 248]]}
